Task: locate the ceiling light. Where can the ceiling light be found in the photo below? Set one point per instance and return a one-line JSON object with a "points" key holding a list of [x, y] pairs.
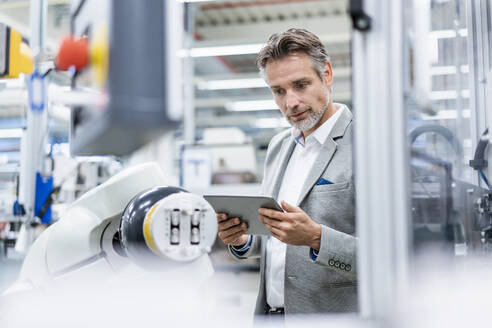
{"points": [[256, 82], [447, 70], [446, 34], [448, 114], [448, 94], [10, 133], [251, 105], [270, 123], [240, 49], [232, 84]]}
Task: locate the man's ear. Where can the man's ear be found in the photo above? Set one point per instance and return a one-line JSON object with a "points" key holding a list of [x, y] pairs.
{"points": [[328, 74]]}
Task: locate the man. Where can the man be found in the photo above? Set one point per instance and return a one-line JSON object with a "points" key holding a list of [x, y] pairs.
{"points": [[309, 263]]}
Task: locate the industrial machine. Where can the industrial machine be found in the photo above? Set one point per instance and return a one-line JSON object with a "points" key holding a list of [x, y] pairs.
{"points": [[130, 224], [125, 88], [127, 70], [15, 54]]}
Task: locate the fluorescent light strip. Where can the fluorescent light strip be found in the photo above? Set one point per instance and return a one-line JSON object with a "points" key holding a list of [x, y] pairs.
{"points": [[247, 83], [448, 70], [10, 133], [448, 94], [232, 84], [240, 49], [448, 114], [446, 34], [270, 122], [251, 105], [13, 83]]}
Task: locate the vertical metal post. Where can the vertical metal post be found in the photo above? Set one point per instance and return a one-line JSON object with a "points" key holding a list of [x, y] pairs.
{"points": [[36, 134], [189, 110], [460, 124], [479, 71], [478, 115], [381, 160], [38, 16]]}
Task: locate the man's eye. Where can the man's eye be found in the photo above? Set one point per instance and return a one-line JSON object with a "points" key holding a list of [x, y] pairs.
{"points": [[278, 91], [301, 85]]}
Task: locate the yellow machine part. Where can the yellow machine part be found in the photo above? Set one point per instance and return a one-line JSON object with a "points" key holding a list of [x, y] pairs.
{"points": [[99, 55], [20, 56]]}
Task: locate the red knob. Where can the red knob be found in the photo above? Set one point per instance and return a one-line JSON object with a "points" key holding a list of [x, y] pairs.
{"points": [[73, 52]]}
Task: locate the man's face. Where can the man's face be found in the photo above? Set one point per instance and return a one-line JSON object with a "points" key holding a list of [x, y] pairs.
{"points": [[299, 92]]}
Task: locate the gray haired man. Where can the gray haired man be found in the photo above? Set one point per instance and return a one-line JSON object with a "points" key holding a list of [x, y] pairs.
{"points": [[309, 263]]}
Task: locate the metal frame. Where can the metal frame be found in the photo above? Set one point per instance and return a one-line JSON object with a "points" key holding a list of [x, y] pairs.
{"points": [[460, 124], [478, 63], [381, 160], [32, 149], [189, 123]]}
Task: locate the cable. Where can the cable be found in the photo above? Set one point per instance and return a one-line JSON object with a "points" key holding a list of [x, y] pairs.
{"points": [[47, 72], [479, 162], [440, 130], [484, 178]]}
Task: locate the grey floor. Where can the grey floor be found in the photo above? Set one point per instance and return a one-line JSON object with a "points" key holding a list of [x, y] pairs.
{"points": [[9, 270], [237, 288]]}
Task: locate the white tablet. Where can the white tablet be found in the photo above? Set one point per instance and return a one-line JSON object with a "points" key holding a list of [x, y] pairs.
{"points": [[245, 208]]}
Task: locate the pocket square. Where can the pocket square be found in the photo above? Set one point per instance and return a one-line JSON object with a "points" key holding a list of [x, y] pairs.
{"points": [[322, 181]]}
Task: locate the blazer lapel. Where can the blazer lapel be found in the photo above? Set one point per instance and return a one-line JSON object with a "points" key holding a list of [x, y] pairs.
{"points": [[287, 147], [319, 166], [326, 153]]}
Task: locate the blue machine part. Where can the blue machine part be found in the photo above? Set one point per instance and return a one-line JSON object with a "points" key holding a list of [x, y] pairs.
{"points": [[37, 91], [44, 186], [18, 209]]}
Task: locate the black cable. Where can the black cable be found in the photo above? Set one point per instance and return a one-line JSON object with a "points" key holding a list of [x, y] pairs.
{"points": [[47, 72], [479, 162], [440, 130], [484, 178], [49, 200]]}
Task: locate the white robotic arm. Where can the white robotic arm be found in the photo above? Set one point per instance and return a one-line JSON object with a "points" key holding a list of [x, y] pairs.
{"points": [[133, 218]]}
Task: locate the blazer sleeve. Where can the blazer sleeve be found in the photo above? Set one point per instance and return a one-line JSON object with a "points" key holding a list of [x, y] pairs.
{"points": [[338, 251], [254, 250]]}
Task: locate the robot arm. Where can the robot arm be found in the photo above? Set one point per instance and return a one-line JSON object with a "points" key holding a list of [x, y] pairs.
{"points": [[132, 218]]}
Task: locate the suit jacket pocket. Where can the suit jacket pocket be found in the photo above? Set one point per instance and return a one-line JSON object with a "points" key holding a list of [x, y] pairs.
{"points": [[330, 187]]}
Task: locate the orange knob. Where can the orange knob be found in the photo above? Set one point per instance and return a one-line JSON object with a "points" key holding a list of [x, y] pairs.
{"points": [[73, 52]]}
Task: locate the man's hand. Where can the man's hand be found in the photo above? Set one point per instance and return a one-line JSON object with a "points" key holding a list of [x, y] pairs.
{"points": [[293, 226], [231, 230]]}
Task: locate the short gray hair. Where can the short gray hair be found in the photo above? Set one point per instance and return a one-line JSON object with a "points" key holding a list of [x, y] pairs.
{"points": [[280, 45]]}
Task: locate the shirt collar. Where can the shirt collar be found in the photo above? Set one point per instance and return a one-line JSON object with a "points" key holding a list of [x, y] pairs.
{"points": [[321, 133]]}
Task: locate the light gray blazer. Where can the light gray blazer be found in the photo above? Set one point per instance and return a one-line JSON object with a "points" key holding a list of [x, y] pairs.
{"points": [[329, 284]]}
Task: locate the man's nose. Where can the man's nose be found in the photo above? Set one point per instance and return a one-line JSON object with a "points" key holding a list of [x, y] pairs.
{"points": [[292, 100]]}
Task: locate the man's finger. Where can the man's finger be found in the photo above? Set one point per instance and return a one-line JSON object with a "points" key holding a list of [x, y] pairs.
{"points": [[290, 208], [224, 225], [221, 217], [231, 231], [272, 213], [276, 233], [232, 238], [270, 222]]}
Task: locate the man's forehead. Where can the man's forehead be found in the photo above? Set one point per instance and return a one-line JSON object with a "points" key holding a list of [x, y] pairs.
{"points": [[300, 58], [289, 69]]}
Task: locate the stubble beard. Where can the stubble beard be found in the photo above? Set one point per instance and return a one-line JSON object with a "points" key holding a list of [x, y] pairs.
{"points": [[309, 122]]}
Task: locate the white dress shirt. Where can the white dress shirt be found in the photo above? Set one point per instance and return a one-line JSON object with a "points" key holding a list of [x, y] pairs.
{"points": [[300, 163]]}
